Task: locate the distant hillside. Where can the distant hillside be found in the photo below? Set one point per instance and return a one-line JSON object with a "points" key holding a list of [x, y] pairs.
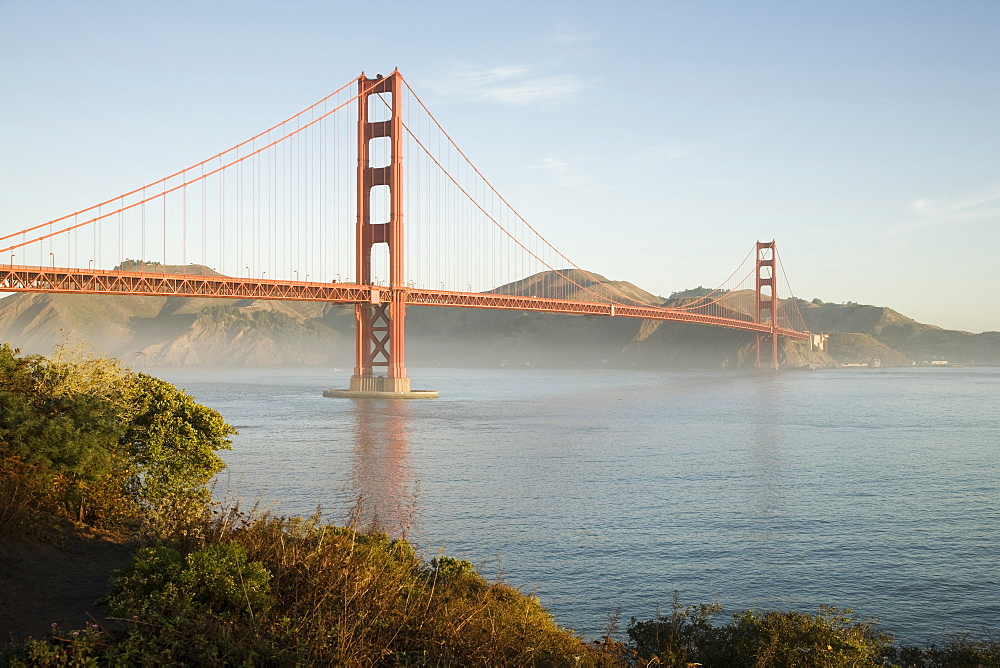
{"points": [[735, 304], [916, 342], [174, 331], [178, 331], [576, 285], [157, 268]]}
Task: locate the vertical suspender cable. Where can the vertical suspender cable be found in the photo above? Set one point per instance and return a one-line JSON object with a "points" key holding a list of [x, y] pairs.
{"points": [[184, 199], [142, 256], [164, 197]]}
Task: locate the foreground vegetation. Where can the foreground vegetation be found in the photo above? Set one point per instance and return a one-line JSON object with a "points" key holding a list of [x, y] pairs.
{"points": [[86, 442]]}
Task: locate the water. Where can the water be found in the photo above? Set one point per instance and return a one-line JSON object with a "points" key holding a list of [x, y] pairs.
{"points": [[874, 489]]}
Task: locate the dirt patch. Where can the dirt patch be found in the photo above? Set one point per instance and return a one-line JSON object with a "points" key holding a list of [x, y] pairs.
{"points": [[42, 584]]}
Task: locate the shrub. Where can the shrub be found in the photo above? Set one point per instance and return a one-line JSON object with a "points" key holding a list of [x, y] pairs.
{"points": [[161, 584], [832, 638], [83, 649], [22, 496], [84, 438], [961, 651], [199, 610], [678, 639], [345, 597]]}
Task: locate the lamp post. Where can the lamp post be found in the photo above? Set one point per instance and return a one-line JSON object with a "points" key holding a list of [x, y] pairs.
{"points": [[53, 257]]}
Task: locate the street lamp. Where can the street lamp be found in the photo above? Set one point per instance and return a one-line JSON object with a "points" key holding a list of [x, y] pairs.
{"points": [[90, 264], [12, 259], [53, 256]]}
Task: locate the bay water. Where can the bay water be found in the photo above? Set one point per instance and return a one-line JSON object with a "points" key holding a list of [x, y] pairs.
{"points": [[598, 490]]}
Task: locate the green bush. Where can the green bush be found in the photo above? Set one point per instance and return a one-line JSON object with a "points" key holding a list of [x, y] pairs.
{"points": [[84, 648], [832, 638], [84, 438], [960, 651], [199, 609], [160, 584], [171, 440], [450, 568], [344, 597], [678, 639], [62, 420]]}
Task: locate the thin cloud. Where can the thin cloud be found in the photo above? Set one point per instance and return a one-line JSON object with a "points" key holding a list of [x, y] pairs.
{"points": [[566, 173], [977, 205], [517, 85], [570, 35], [982, 204], [485, 78], [537, 89]]}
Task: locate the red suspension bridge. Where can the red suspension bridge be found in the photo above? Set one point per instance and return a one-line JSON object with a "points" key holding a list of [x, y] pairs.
{"points": [[314, 209]]}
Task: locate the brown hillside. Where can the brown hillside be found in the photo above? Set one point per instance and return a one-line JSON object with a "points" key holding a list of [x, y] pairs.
{"points": [[179, 331], [857, 348], [156, 331], [576, 285], [916, 341], [857, 318]]}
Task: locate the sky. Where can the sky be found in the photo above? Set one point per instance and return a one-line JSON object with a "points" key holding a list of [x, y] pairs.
{"points": [[652, 142]]}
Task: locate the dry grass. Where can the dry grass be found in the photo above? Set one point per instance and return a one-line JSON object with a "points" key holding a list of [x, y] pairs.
{"points": [[343, 596]]}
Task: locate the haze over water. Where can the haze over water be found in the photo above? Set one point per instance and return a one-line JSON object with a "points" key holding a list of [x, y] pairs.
{"points": [[874, 489]]}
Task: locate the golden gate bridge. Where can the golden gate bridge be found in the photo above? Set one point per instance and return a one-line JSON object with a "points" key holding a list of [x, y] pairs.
{"points": [[361, 198]]}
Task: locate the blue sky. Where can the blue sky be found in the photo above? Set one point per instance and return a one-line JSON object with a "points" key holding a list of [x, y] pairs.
{"points": [[650, 141]]}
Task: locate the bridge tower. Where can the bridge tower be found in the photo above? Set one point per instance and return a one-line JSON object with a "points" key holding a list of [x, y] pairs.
{"points": [[767, 300], [380, 334]]}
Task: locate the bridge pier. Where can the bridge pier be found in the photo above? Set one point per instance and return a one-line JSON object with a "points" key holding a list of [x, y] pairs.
{"points": [[380, 322], [380, 387]]}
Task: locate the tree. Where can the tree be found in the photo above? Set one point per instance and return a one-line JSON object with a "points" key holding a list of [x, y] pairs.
{"points": [[99, 441], [171, 439], [66, 412]]}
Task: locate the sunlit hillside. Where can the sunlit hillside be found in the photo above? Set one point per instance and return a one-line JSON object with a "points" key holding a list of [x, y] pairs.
{"points": [[174, 331]]}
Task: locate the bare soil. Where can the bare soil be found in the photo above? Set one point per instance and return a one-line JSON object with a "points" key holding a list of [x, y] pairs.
{"points": [[42, 584]]}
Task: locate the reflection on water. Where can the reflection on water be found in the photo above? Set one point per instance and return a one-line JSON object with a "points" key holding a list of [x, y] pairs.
{"points": [[765, 449], [381, 475]]}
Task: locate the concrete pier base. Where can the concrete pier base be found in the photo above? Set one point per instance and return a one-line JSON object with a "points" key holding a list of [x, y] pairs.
{"points": [[380, 387]]}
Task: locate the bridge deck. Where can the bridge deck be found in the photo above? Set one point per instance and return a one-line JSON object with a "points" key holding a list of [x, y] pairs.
{"points": [[15, 278]]}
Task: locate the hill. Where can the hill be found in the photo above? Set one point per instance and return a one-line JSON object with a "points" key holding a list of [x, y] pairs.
{"points": [[917, 342], [576, 285], [178, 331], [174, 331]]}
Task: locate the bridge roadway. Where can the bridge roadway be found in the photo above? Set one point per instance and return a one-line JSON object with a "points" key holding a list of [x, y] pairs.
{"points": [[16, 278]]}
